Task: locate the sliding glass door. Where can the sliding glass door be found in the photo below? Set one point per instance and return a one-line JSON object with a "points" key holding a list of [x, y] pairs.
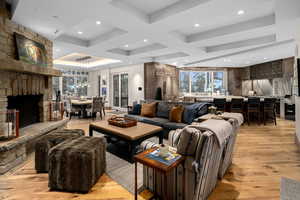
{"points": [[120, 90]]}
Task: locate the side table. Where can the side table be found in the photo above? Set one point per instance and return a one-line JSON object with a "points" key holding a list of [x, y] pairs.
{"points": [[157, 166]]}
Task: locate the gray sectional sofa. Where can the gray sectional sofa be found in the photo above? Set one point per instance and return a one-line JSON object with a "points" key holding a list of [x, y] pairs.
{"points": [[191, 112], [208, 148]]}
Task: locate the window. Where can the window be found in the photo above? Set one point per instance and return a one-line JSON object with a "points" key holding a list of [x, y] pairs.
{"points": [[68, 85], [202, 82], [55, 86], [73, 83], [218, 82], [184, 80]]}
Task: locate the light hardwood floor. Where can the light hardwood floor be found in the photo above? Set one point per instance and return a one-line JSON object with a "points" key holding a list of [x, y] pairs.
{"points": [[262, 156]]}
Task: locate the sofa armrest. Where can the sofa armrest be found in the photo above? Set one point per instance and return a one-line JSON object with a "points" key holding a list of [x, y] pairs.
{"points": [[174, 137], [148, 145]]}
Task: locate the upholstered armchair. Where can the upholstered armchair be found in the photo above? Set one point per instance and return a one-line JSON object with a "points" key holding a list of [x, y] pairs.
{"points": [[207, 159]]}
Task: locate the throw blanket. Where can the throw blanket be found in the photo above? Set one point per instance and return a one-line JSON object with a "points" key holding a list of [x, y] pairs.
{"points": [[236, 116], [220, 128]]}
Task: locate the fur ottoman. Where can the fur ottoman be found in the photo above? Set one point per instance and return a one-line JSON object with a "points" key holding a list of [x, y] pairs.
{"points": [[76, 165], [43, 146]]}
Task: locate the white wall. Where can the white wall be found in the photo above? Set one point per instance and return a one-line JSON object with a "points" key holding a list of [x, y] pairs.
{"points": [[135, 80]]}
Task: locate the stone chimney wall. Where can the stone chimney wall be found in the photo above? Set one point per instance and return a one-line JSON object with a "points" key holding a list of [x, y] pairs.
{"points": [[16, 83]]}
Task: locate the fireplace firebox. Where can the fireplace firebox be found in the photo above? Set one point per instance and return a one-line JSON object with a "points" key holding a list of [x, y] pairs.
{"points": [[28, 106]]}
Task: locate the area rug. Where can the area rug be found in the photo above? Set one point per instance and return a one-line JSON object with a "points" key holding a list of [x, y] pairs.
{"points": [[289, 189], [122, 171]]}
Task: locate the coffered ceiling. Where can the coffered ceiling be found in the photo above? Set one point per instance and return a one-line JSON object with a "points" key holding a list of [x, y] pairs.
{"points": [[233, 33]]}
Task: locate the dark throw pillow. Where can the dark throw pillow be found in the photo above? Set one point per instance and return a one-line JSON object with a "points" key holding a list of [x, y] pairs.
{"points": [[136, 110], [163, 110]]}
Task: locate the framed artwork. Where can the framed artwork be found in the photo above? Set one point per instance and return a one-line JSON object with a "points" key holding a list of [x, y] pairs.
{"points": [[104, 91], [30, 51]]}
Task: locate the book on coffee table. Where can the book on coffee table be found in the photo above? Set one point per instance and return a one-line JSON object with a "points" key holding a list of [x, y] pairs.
{"points": [[167, 160]]}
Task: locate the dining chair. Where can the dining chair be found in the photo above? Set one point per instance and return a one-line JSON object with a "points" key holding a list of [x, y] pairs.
{"points": [[220, 103], [103, 104], [253, 108], [97, 106], [269, 108], [72, 109]]}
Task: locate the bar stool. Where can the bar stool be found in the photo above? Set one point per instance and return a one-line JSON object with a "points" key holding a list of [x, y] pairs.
{"points": [[270, 109], [253, 107], [237, 105], [220, 103]]}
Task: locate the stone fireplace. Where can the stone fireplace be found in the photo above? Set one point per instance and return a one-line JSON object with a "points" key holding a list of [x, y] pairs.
{"points": [[23, 86], [29, 106]]}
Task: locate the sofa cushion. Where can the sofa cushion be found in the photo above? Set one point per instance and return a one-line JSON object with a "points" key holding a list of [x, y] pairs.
{"points": [[136, 117], [176, 114], [148, 109], [155, 121], [174, 125], [163, 110], [136, 109]]}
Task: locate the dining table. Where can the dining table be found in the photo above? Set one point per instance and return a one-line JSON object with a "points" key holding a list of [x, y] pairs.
{"points": [[83, 104]]}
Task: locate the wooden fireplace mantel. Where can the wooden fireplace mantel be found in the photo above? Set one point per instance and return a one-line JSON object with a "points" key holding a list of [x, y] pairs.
{"points": [[22, 67]]}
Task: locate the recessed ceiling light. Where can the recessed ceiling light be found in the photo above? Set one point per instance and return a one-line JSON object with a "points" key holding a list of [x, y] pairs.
{"points": [[80, 32], [196, 25], [126, 45], [57, 50], [241, 12], [265, 58], [145, 40], [98, 22], [175, 63]]}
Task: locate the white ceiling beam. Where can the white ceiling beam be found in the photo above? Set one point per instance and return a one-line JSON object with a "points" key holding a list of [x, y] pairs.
{"points": [[72, 40], [148, 48], [241, 52], [170, 56], [174, 9], [234, 28], [130, 9], [244, 43], [116, 32], [119, 51]]}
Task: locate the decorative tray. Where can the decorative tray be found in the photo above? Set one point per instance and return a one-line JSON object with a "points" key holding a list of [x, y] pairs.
{"points": [[122, 122]]}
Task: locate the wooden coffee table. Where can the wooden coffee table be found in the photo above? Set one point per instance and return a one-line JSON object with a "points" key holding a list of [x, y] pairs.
{"points": [[133, 136]]}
